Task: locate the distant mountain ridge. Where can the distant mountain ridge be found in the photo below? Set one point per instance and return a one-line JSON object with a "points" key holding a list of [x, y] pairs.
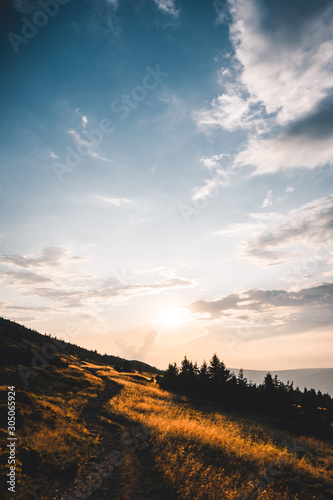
{"points": [[320, 379]]}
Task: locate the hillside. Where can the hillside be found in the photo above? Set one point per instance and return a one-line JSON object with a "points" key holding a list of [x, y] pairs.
{"points": [[18, 342], [87, 430]]}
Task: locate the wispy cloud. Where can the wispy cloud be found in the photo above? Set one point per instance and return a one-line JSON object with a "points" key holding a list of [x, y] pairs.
{"points": [[23, 278], [106, 201], [136, 351], [104, 19], [114, 3], [232, 110], [309, 225], [86, 146], [272, 239], [51, 277], [168, 6], [239, 228], [268, 200], [219, 177], [48, 257]]}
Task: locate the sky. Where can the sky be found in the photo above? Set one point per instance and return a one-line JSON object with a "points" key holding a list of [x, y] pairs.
{"points": [[166, 177]]}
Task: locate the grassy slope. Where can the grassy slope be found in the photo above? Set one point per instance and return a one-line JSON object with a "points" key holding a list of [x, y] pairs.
{"points": [[76, 416], [208, 455]]}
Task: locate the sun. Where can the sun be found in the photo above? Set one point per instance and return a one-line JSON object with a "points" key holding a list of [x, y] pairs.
{"points": [[171, 317]]}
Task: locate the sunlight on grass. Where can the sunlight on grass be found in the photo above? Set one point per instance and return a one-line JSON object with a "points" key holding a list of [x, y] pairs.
{"points": [[196, 452], [203, 453]]}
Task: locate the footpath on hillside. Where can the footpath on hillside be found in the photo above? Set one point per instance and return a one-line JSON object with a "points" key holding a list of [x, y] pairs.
{"points": [[120, 467]]}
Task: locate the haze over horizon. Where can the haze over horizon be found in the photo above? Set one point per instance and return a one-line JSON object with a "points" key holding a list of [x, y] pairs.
{"points": [[166, 178]]}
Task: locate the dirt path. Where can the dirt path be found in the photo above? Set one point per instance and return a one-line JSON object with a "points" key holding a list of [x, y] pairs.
{"points": [[122, 466]]}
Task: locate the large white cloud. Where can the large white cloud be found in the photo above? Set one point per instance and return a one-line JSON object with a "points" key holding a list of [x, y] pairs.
{"points": [[280, 75], [307, 143], [287, 66], [285, 152]]}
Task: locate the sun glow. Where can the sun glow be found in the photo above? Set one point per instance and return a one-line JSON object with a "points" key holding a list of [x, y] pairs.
{"points": [[171, 317]]}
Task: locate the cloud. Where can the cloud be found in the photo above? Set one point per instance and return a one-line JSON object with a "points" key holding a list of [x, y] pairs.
{"points": [[303, 234], [85, 146], [136, 352], [16, 312], [84, 121], [310, 225], [239, 228], [286, 52], [103, 19], [219, 177], [268, 200], [51, 256], [23, 278], [71, 293], [307, 143], [106, 201], [27, 308], [278, 85], [264, 301], [167, 6], [71, 289], [232, 111], [171, 122]]}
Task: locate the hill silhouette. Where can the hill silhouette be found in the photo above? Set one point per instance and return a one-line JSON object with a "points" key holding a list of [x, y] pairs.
{"points": [[27, 350]]}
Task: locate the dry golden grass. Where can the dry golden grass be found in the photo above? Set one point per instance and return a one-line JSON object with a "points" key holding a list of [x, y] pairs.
{"points": [[194, 451], [208, 455], [52, 439]]}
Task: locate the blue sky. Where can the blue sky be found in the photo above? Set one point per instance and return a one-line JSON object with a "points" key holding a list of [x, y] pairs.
{"points": [[166, 177]]}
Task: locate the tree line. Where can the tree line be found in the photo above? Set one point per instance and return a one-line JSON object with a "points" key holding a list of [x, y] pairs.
{"points": [[213, 381]]}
